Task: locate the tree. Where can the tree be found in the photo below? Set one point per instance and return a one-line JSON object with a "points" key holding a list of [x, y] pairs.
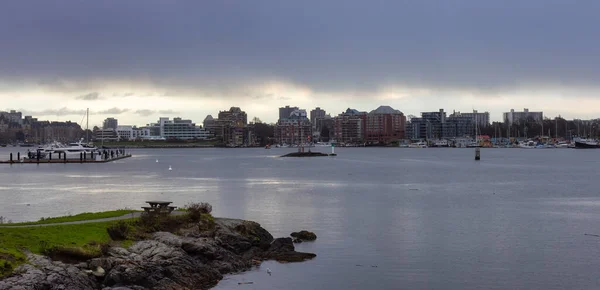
{"points": [[256, 120], [264, 133]]}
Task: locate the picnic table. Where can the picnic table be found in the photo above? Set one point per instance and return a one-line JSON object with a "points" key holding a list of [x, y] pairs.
{"points": [[160, 207]]}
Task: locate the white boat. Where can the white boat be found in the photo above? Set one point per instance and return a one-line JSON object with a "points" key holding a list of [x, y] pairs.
{"points": [[440, 143], [72, 150], [421, 144], [527, 145]]}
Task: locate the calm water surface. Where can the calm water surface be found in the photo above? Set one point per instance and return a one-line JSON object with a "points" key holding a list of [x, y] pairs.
{"points": [[427, 218]]}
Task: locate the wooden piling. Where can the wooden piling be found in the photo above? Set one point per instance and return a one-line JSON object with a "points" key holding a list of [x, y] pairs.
{"points": [[11, 160], [477, 154]]}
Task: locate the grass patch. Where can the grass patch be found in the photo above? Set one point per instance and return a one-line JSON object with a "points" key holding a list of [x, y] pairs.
{"points": [[78, 217], [77, 242]]}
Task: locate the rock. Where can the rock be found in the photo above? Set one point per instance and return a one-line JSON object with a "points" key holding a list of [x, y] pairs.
{"points": [[282, 249], [165, 261], [45, 274], [297, 241], [99, 272], [304, 235]]}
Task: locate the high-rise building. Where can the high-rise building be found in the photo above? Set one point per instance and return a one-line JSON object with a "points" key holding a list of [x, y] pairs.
{"points": [[519, 117], [12, 116], [481, 119], [110, 123], [294, 129], [436, 125], [350, 127], [315, 114], [235, 115], [385, 125], [231, 127], [285, 112]]}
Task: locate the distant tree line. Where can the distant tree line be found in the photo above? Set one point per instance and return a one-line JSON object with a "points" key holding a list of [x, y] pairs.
{"points": [[531, 128]]}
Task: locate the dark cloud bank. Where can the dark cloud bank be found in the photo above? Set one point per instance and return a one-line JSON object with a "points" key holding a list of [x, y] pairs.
{"points": [[325, 45]]}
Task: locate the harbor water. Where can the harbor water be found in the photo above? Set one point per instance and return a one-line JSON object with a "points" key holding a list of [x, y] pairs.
{"points": [[386, 218]]}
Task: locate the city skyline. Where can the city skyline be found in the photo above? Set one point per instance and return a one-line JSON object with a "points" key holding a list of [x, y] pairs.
{"points": [[145, 119], [189, 59]]}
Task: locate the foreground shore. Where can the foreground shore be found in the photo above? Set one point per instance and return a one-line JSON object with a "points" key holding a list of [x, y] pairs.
{"points": [[183, 253]]}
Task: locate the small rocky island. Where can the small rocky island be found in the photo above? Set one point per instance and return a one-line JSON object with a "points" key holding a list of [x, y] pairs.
{"points": [[308, 154], [185, 253]]}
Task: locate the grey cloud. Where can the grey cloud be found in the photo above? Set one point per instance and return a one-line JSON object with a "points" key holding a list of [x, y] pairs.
{"points": [[64, 111], [89, 97], [145, 113], [471, 44], [113, 111], [168, 112]]}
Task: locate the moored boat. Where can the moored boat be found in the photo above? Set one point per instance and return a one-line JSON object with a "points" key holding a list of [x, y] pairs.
{"points": [[587, 144]]}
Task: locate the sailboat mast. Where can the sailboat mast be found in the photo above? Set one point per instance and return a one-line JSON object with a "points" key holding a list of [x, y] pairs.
{"points": [[87, 124], [556, 133]]}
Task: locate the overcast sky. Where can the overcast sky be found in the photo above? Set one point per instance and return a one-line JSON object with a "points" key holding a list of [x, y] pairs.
{"points": [[138, 60]]}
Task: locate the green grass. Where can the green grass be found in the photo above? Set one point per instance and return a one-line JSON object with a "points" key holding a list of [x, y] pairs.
{"points": [[85, 238], [78, 217]]}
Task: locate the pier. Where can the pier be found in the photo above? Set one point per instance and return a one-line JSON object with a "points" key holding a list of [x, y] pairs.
{"points": [[100, 157]]}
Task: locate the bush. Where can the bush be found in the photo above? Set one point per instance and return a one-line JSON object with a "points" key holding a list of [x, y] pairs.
{"points": [[197, 209], [72, 254], [158, 223], [119, 231]]}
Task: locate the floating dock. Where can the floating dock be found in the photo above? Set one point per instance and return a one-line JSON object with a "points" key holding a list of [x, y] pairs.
{"points": [[103, 157]]}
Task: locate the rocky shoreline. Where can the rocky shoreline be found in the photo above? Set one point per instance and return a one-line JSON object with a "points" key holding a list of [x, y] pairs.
{"points": [[194, 259]]}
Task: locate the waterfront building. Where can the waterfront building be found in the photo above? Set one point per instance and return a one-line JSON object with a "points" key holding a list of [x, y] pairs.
{"points": [[129, 133], [231, 127], [285, 112], [513, 117], [481, 119], [436, 125], [110, 123], [178, 129], [324, 129], [384, 125], [315, 114], [234, 115], [294, 129], [105, 135], [350, 127], [12, 116]]}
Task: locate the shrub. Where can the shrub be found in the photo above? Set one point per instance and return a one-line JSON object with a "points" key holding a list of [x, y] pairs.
{"points": [[72, 254], [119, 231], [197, 209], [156, 223]]}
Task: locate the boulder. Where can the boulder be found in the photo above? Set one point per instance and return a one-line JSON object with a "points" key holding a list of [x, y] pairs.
{"points": [[44, 273], [164, 261], [304, 235], [282, 249]]}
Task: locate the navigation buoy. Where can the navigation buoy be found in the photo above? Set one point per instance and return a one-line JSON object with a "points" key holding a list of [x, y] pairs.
{"points": [[170, 168], [477, 154]]}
